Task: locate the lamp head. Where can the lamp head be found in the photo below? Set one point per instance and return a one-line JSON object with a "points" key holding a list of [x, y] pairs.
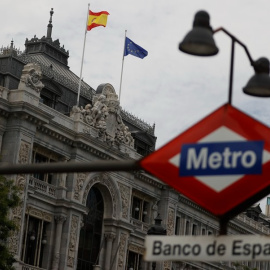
{"points": [[259, 83], [199, 41]]}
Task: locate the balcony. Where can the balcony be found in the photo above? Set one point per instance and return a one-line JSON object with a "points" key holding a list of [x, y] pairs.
{"points": [[254, 224], [140, 225], [42, 187], [23, 266]]}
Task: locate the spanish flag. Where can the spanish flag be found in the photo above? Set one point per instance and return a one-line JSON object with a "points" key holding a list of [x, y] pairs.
{"points": [[97, 19]]}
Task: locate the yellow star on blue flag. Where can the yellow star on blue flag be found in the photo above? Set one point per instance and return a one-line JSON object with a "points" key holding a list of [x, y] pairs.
{"points": [[134, 49]]}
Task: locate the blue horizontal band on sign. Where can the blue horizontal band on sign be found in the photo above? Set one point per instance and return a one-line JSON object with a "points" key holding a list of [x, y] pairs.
{"points": [[221, 158]]}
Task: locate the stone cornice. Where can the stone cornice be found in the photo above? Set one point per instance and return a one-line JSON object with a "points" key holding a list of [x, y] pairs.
{"points": [[60, 203], [141, 175], [190, 203], [81, 141], [56, 134], [30, 113]]}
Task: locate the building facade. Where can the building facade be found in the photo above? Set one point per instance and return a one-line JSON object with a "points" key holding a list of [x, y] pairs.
{"points": [[88, 220]]}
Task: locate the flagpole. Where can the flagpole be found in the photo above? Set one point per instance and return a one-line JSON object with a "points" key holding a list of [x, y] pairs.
{"points": [[80, 81], [122, 65]]}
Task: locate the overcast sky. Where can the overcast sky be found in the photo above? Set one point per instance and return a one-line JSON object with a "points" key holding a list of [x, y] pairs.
{"points": [[168, 88]]}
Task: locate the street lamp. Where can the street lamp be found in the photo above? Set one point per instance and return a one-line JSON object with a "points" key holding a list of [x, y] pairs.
{"points": [[199, 41], [157, 229]]}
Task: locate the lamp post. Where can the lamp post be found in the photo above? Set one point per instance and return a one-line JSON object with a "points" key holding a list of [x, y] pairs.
{"points": [[157, 229], [199, 41]]}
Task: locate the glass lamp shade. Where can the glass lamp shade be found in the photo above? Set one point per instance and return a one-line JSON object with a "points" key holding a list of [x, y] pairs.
{"points": [[259, 83], [44, 241], [199, 41]]}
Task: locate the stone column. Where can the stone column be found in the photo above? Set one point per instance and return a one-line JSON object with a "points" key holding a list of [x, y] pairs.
{"points": [[58, 236], [109, 239]]}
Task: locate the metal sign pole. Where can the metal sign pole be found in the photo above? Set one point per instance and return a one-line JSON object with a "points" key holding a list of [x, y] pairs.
{"points": [[60, 167]]}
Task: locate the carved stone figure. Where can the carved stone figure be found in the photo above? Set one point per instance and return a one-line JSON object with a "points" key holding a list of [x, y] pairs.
{"points": [[87, 114], [72, 241], [105, 115], [101, 126], [99, 109], [127, 137], [79, 185], [125, 196], [31, 76]]}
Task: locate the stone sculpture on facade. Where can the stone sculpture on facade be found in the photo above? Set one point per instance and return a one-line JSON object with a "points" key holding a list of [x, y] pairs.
{"points": [[31, 76], [105, 116]]}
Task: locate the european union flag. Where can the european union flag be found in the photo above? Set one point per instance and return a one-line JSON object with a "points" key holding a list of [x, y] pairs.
{"points": [[134, 49]]}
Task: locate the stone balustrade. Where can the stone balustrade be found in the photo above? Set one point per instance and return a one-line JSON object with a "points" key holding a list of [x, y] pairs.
{"points": [[42, 186]]}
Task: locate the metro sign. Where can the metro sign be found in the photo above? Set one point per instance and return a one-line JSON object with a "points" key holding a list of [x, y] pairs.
{"points": [[219, 163]]}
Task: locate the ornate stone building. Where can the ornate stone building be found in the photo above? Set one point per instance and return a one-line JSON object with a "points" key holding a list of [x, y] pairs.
{"points": [[81, 220]]}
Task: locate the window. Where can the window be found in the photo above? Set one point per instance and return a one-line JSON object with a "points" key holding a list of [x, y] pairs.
{"points": [[134, 261], [50, 94], [139, 209], [187, 228], [203, 231], [45, 157], [194, 229], [141, 147], [177, 226], [91, 232], [35, 240]]}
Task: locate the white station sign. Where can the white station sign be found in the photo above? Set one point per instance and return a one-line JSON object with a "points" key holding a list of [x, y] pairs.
{"points": [[207, 248]]}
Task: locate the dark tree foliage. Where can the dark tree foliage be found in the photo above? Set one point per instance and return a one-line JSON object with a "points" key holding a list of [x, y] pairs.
{"points": [[8, 199]]}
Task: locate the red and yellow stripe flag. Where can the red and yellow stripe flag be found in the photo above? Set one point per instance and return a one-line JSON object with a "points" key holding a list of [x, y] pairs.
{"points": [[97, 19]]}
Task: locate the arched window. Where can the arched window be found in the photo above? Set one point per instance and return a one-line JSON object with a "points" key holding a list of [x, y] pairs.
{"points": [[50, 94], [91, 232], [35, 240]]}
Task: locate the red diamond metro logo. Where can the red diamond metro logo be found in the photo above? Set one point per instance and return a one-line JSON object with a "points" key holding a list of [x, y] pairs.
{"points": [[218, 163]]}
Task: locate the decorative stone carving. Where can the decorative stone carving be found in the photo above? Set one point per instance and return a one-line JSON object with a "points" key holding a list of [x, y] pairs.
{"points": [[136, 249], [109, 236], [122, 253], [34, 212], [72, 240], [105, 180], [24, 153], [17, 212], [60, 219], [13, 240], [167, 265], [99, 109], [105, 116], [125, 196], [79, 185], [170, 222], [170, 231], [31, 76], [4, 92], [20, 182]]}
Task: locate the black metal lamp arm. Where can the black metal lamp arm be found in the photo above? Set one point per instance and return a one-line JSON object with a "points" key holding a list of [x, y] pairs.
{"points": [[234, 39]]}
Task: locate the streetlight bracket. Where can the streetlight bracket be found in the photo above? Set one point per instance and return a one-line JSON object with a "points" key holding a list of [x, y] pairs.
{"points": [[237, 41], [234, 39]]}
